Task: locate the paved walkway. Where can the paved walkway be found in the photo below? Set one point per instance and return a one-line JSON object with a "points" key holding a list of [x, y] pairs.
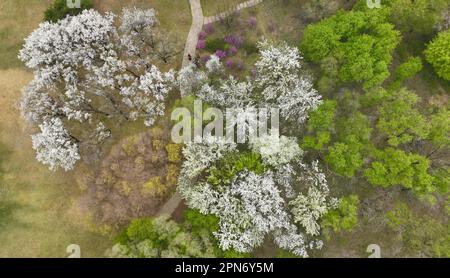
{"points": [[198, 20], [171, 205], [238, 7], [196, 28]]}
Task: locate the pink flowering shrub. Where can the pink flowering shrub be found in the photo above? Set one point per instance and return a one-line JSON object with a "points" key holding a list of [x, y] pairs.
{"points": [[221, 54], [233, 40], [233, 50], [229, 63], [201, 44], [202, 35]]}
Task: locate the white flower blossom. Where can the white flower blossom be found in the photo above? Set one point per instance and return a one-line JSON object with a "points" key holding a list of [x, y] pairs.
{"points": [[199, 156], [213, 65], [308, 209], [84, 73], [276, 150], [54, 146], [190, 80]]}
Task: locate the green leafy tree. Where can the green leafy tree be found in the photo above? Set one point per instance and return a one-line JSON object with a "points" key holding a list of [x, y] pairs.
{"points": [[422, 235], [232, 164], [440, 128], [59, 9], [320, 125], [343, 218], [400, 120], [438, 54], [442, 180], [356, 125], [198, 223], [346, 156], [361, 41], [160, 238], [395, 167], [373, 97], [345, 159], [406, 70], [417, 16]]}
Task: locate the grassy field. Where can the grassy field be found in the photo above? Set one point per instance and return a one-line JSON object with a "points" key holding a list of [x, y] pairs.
{"points": [[212, 7], [17, 19], [36, 219], [37, 215]]}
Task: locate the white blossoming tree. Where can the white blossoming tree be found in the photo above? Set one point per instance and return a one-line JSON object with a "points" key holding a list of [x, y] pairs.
{"points": [[54, 145], [87, 72], [252, 206], [310, 207], [190, 80], [248, 210], [280, 82], [276, 150], [198, 156], [213, 65], [280, 78]]}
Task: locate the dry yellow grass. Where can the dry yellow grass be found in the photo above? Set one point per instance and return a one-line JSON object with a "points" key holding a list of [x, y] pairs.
{"points": [[37, 222], [17, 19]]}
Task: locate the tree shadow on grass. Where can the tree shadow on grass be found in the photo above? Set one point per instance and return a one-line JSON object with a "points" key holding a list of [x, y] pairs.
{"points": [[8, 207]]}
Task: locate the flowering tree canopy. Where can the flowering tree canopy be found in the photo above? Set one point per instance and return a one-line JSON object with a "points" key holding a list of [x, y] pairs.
{"points": [[279, 82], [54, 146], [252, 205], [87, 71]]}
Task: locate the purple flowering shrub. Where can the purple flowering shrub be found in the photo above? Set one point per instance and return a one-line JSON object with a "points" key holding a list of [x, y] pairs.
{"points": [[229, 64], [233, 50], [202, 36], [201, 44], [233, 40], [221, 54]]}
